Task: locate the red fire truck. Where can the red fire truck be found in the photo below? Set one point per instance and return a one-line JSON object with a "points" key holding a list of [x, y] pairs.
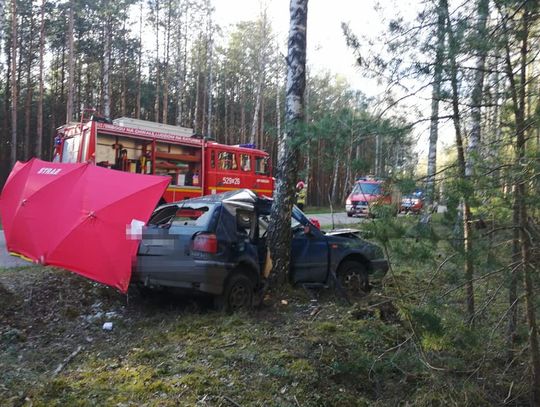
{"points": [[196, 166]]}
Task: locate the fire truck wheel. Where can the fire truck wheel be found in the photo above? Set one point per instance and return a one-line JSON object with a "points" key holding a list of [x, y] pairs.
{"points": [[353, 276], [238, 293]]}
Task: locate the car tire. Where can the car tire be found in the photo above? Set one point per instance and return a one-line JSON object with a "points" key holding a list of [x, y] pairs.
{"points": [[349, 214], [353, 277], [237, 295]]}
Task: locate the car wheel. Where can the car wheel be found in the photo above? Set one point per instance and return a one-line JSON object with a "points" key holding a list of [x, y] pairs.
{"points": [[238, 293], [349, 214], [353, 277]]}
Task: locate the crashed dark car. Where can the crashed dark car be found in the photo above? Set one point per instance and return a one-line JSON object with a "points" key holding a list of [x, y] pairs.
{"points": [[216, 244]]}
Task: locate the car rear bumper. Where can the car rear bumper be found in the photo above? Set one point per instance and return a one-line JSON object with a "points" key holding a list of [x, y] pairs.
{"points": [[204, 276]]}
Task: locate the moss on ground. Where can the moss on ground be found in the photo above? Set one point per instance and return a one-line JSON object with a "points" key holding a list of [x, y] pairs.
{"points": [[406, 342]]}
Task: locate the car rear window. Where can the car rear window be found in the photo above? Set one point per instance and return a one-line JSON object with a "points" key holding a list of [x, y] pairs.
{"points": [[193, 216], [184, 214]]}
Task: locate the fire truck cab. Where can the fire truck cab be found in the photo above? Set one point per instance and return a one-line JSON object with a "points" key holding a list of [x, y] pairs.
{"points": [[196, 166], [369, 194]]}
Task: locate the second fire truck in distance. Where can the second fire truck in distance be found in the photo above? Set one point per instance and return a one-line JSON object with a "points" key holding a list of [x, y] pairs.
{"points": [[195, 165]]}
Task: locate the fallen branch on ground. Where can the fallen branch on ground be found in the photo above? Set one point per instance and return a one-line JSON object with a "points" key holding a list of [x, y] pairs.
{"points": [[62, 365]]}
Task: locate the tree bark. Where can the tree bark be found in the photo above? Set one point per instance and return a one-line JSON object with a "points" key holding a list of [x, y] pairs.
{"points": [[166, 66], [106, 69], [14, 92], [435, 98], [467, 229], [210, 82], [518, 90], [71, 62], [139, 64], [39, 126], [158, 81], [123, 84], [280, 224], [478, 88]]}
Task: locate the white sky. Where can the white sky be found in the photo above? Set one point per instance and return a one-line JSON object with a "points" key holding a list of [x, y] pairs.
{"points": [[327, 50]]}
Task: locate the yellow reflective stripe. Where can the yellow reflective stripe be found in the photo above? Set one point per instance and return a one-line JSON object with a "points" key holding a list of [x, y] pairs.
{"points": [[180, 189], [198, 190], [236, 188], [21, 256]]}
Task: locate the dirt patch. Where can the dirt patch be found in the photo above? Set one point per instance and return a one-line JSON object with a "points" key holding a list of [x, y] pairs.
{"points": [[45, 314]]}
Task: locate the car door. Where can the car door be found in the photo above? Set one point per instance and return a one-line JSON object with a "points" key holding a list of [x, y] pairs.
{"points": [[309, 251]]}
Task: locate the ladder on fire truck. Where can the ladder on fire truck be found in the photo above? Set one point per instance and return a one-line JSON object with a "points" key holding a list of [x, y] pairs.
{"points": [[153, 126]]}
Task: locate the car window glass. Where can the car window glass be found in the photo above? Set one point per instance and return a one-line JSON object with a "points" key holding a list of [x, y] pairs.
{"points": [[227, 161], [261, 165], [162, 215], [192, 216], [367, 188], [245, 162]]}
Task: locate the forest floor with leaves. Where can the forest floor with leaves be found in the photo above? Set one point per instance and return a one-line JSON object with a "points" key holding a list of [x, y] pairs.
{"points": [[398, 344]]}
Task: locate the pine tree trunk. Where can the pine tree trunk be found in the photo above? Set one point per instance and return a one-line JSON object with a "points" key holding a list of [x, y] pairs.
{"points": [[378, 155], [348, 174], [5, 134], [435, 98], [518, 91], [256, 111], [278, 106], [106, 70], [209, 90], [166, 67], [71, 62], [280, 224], [335, 180], [478, 88], [467, 221], [123, 85], [139, 64], [14, 92], [242, 117], [39, 125], [158, 72], [29, 90]]}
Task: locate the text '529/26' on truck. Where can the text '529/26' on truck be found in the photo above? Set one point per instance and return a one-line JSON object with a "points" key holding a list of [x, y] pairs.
{"points": [[217, 245], [196, 166]]}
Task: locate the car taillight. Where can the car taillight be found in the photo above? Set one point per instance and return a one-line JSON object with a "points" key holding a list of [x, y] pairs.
{"points": [[348, 201], [205, 243]]}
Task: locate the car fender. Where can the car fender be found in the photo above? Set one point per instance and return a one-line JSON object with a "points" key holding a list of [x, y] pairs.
{"points": [[337, 257], [247, 264]]}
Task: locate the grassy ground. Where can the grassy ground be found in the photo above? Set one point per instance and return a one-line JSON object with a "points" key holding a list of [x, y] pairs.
{"points": [[404, 343], [314, 210]]}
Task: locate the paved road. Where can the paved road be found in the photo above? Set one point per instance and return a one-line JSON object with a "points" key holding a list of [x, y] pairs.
{"points": [[325, 219], [6, 260], [340, 218]]}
